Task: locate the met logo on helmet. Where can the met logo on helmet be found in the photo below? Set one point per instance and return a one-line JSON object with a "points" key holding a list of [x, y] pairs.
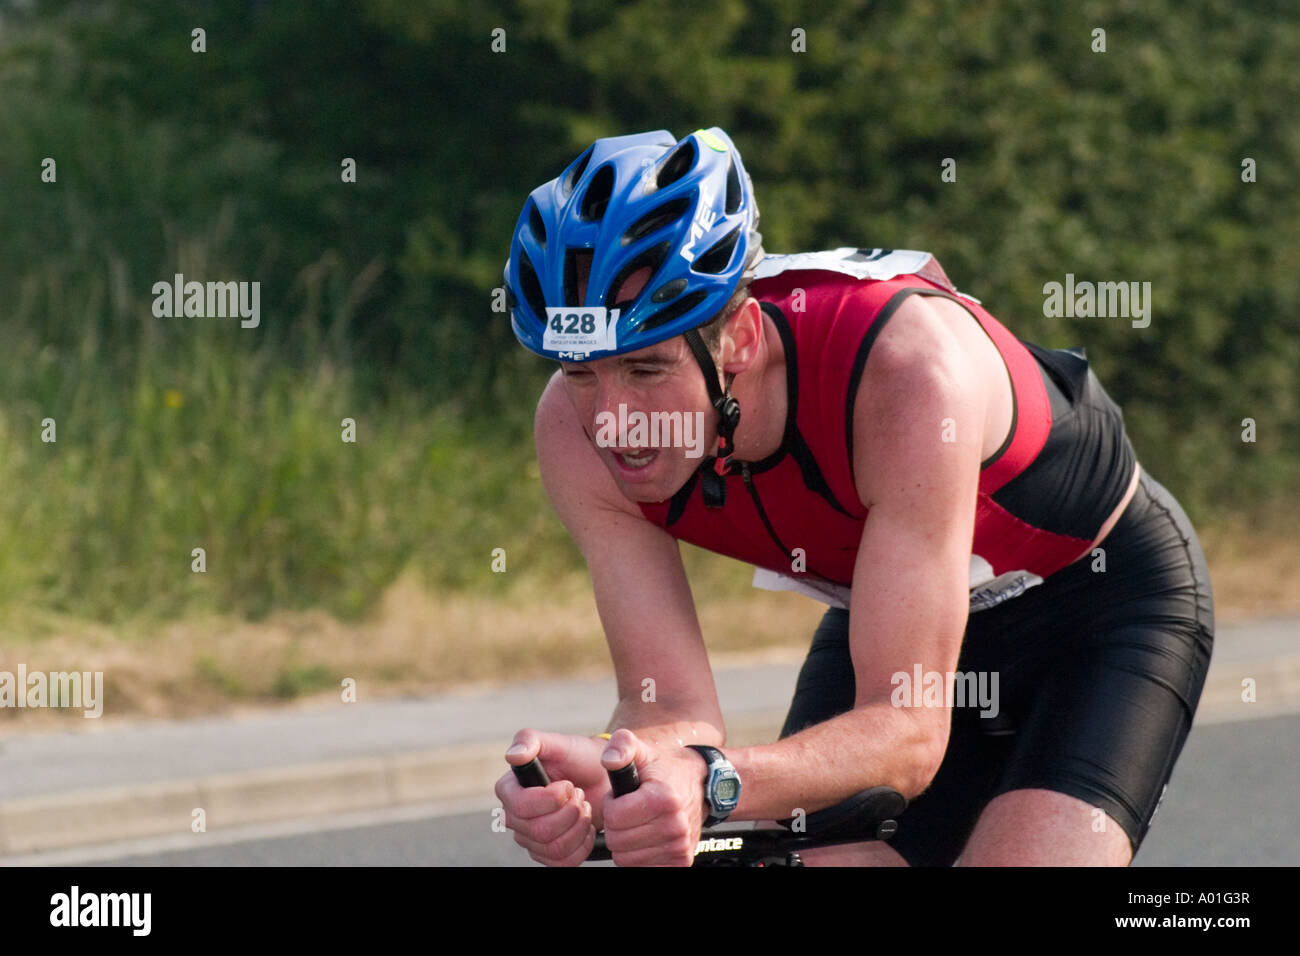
{"points": [[704, 220]]}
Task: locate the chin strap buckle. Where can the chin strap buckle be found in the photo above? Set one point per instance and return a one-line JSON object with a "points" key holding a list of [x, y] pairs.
{"points": [[729, 420], [714, 485]]}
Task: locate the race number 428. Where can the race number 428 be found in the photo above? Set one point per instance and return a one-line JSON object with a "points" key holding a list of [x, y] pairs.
{"points": [[581, 330]]}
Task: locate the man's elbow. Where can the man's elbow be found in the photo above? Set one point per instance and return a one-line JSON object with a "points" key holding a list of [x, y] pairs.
{"points": [[929, 743]]}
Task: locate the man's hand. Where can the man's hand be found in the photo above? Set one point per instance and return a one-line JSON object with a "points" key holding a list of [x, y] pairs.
{"points": [[659, 824], [555, 823]]}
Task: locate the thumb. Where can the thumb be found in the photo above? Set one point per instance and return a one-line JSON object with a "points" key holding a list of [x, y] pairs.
{"points": [[526, 745], [557, 752], [624, 748]]}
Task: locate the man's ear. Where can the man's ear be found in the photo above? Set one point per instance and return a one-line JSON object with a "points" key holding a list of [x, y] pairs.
{"points": [[741, 337]]}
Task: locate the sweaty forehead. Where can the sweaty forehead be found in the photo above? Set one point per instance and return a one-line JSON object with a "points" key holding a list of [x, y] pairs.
{"points": [[665, 353]]}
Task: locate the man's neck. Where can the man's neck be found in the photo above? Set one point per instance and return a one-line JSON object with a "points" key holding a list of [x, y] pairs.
{"points": [[761, 391]]}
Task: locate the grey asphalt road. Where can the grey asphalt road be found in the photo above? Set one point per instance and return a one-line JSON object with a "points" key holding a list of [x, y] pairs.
{"points": [[1233, 802]]}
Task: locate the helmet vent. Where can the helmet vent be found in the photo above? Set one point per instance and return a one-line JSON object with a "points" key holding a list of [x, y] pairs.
{"points": [[598, 192], [733, 189], [677, 165], [651, 259], [657, 219], [577, 266], [677, 309], [579, 168], [531, 288], [535, 223], [718, 257]]}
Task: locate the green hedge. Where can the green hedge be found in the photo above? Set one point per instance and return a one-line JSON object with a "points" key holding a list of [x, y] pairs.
{"points": [[176, 433]]}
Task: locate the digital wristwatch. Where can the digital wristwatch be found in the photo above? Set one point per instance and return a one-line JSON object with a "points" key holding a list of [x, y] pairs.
{"points": [[721, 786]]}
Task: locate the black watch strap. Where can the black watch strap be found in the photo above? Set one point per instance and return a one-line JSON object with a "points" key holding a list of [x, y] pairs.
{"points": [[711, 755]]}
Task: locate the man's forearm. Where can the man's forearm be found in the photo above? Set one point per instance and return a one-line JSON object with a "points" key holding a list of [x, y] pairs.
{"points": [[874, 745]]}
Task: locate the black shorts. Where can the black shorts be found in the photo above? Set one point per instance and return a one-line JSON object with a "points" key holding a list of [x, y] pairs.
{"points": [[1099, 674]]}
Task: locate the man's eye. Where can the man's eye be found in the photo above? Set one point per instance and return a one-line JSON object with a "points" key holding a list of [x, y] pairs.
{"points": [[645, 372]]}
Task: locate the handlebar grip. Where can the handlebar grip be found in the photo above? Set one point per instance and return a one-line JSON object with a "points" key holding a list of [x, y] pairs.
{"points": [[624, 780], [531, 774]]}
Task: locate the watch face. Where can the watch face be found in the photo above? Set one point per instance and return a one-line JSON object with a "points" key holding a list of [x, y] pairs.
{"points": [[727, 789]]}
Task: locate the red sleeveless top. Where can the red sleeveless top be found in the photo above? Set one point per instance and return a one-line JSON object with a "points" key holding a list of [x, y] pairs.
{"points": [[797, 512]]}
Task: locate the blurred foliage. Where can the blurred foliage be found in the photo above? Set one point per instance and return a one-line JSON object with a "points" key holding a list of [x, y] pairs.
{"points": [[1115, 166]]}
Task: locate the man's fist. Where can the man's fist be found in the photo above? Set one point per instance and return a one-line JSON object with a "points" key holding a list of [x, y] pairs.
{"points": [[659, 824], [556, 824]]}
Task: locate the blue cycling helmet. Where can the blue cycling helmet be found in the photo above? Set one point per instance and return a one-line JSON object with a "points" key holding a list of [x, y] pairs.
{"points": [[676, 217]]}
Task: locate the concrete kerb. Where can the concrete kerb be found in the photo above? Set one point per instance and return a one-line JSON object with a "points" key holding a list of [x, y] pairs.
{"points": [[73, 819], [80, 818]]}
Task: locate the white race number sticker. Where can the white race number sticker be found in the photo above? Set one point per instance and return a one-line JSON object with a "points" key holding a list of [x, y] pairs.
{"points": [[580, 330]]}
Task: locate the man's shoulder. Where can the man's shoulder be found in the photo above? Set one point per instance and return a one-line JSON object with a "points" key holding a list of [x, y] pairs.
{"points": [[915, 379]]}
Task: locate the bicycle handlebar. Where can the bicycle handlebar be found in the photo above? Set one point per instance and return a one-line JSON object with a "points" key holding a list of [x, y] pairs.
{"points": [[531, 774], [864, 817], [624, 780]]}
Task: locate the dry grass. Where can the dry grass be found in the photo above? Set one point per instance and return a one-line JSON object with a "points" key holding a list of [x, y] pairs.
{"points": [[416, 642], [419, 642], [1254, 573]]}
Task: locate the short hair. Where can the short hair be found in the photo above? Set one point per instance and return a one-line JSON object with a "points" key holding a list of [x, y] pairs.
{"points": [[711, 331]]}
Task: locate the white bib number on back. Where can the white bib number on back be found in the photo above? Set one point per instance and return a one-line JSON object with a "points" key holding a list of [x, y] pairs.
{"points": [[881, 264], [580, 330]]}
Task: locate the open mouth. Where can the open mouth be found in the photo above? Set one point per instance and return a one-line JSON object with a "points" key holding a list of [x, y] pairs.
{"points": [[636, 460]]}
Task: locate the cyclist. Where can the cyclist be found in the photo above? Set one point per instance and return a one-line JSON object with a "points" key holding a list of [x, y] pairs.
{"points": [[968, 505]]}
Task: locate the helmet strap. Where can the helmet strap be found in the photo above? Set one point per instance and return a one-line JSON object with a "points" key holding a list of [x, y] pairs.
{"points": [[713, 487]]}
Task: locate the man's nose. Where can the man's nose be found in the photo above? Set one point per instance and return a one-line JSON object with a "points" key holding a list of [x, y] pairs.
{"points": [[608, 397], [612, 406]]}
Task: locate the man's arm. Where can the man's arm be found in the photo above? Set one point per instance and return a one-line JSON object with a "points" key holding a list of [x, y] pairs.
{"points": [[918, 473], [641, 591]]}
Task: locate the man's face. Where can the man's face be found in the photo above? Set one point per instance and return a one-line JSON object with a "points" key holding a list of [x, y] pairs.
{"points": [[648, 415]]}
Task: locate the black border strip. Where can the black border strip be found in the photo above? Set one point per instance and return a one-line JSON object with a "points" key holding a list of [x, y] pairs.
{"points": [[811, 472]]}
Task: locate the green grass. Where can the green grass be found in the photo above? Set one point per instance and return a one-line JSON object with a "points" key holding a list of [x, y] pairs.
{"points": [[211, 445]]}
